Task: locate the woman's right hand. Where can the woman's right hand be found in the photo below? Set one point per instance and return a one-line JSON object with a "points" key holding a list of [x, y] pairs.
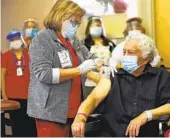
{"points": [[88, 65], [78, 128]]}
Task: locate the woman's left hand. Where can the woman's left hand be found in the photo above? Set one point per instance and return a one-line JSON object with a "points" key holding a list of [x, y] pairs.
{"points": [[135, 124], [107, 71]]}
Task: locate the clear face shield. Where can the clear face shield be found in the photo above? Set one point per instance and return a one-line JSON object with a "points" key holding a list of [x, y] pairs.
{"points": [[97, 26], [16, 42], [30, 29], [134, 25]]}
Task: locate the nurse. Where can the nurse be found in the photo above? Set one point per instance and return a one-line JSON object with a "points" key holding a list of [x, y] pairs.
{"points": [[15, 81]]}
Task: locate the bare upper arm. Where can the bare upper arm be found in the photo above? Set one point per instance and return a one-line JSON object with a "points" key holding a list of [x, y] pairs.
{"points": [[93, 76], [101, 91]]}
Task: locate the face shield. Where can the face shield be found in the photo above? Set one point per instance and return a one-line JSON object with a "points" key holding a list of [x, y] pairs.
{"points": [[15, 39]]}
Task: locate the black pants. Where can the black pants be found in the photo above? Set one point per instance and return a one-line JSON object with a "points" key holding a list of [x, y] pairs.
{"points": [[22, 124], [148, 130], [2, 125]]}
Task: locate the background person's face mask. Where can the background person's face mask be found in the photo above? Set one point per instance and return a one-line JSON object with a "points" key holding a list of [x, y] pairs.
{"points": [[129, 63], [96, 31], [134, 32], [69, 29], [16, 44], [31, 32]]}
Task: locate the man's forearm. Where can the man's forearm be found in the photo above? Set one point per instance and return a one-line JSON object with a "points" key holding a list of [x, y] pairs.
{"points": [[98, 94], [88, 106], [160, 111]]}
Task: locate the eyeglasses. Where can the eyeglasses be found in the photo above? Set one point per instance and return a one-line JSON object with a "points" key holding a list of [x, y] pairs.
{"points": [[75, 21]]}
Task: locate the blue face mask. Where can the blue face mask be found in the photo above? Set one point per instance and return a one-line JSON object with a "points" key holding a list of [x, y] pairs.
{"points": [[34, 32], [68, 29], [28, 32], [31, 32], [96, 31], [130, 63]]}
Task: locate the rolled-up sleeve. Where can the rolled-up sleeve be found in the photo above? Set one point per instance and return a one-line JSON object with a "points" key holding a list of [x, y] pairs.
{"points": [[56, 75], [41, 59], [165, 93]]}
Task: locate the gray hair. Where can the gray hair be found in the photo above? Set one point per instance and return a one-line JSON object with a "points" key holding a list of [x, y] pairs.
{"points": [[147, 47]]}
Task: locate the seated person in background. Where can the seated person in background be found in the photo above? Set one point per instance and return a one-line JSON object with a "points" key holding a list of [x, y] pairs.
{"points": [[134, 26], [97, 44], [134, 99]]}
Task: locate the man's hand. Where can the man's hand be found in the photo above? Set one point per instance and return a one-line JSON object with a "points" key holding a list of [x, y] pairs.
{"points": [[5, 97], [135, 124], [78, 127]]}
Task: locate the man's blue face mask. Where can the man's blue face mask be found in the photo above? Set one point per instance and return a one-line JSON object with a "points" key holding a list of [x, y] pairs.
{"points": [[129, 63]]}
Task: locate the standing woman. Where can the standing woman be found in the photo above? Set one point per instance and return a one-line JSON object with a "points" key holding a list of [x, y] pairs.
{"points": [[30, 29], [98, 44], [57, 61], [15, 82]]}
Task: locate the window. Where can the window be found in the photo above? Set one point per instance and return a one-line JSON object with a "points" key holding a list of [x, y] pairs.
{"points": [[132, 10], [106, 7]]}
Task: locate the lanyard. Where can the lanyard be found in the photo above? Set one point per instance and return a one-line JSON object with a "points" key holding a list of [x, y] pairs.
{"points": [[16, 60]]}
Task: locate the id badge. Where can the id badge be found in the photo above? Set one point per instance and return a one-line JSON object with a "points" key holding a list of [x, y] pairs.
{"points": [[19, 72], [19, 63], [65, 59]]}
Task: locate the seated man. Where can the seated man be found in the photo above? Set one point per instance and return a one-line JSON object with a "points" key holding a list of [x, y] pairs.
{"points": [[134, 99]]}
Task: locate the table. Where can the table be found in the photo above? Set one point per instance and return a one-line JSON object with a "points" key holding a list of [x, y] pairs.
{"points": [[8, 105]]}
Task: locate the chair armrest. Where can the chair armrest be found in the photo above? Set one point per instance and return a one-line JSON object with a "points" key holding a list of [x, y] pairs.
{"points": [[93, 122], [93, 117], [164, 118]]}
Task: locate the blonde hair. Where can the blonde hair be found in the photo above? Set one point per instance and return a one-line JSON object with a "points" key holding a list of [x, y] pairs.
{"points": [[61, 11]]}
